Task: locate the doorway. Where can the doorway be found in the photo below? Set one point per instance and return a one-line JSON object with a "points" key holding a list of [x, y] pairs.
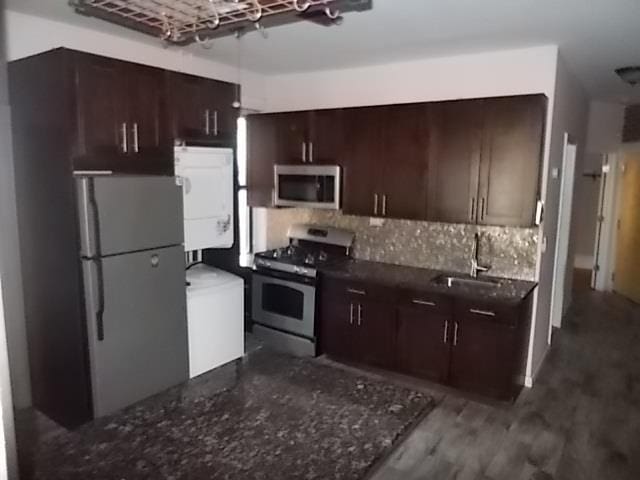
{"points": [[558, 299], [626, 279]]}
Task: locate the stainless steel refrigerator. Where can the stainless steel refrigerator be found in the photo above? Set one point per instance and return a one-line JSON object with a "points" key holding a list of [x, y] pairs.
{"points": [[133, 279]]}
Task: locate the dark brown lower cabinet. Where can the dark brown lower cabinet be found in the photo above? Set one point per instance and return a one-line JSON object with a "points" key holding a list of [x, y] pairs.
{"points": [[356, 327], [423, 347], [477, 346]]}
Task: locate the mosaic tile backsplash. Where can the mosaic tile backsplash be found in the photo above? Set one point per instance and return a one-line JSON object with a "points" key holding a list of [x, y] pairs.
{"points": [[511, 252]]}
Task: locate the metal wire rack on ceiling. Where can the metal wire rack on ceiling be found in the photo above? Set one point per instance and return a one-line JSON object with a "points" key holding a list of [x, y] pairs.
{"points": [[186, 21]]}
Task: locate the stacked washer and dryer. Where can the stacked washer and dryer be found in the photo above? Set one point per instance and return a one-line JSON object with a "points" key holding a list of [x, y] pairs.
{"points": [[215, 298]]}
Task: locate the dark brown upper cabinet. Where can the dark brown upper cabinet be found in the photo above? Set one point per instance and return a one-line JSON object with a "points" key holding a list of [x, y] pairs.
{"points": [[121, 116], [466, 161], [202, 109], [385, 160], [510, 160], [262, 155], [309, 137], [454, 160]]}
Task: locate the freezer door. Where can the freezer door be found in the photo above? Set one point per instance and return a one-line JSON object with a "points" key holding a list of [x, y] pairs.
{"points": [[137, 326], [120, 214]]}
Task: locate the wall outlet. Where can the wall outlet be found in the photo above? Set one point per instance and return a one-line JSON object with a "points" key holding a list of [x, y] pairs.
{"points": [[555, 172], [376, 222]]}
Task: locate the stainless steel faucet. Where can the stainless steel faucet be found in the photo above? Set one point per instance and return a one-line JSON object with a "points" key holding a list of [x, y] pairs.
{"points": [[475, 266]]}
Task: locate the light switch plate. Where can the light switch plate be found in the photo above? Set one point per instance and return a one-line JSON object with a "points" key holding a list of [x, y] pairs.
{"points": [[376, 222]]}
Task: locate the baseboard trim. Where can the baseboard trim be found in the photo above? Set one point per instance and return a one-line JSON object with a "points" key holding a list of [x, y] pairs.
{"points": [[530, 380]]}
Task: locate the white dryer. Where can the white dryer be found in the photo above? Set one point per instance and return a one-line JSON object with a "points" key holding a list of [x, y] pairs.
{"points": [[215, 315], [207, 184]]}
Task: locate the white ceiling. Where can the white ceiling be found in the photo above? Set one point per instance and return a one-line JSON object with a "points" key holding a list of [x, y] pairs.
{"points": [[595, 36]]}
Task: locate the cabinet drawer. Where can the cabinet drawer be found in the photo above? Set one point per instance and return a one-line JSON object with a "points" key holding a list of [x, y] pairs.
{"points": [[492, 312], [430, 302], [357, 289]]}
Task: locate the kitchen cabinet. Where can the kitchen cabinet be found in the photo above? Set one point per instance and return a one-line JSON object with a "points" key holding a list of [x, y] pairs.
{"points": [[202, 109], [309, 137], [474, 345], [425, 326], [454, 160], [359, 324], [385, 161], [468, 161], [262, 155], [510, 160], [121, 116]]}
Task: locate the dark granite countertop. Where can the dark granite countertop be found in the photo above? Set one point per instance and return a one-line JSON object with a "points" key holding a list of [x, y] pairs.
{"points": [[421, 279]]}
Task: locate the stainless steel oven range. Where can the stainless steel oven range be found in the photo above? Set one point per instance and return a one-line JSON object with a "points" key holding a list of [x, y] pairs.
{"points": [[284, 286]]}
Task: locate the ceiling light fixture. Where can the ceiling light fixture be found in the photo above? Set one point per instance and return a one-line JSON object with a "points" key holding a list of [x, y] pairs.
{"points": [[183, 22], [630, 75]]}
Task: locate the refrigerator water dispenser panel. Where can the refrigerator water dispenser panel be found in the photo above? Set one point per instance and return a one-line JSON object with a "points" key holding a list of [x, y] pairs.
{"points": [[206, 175]]}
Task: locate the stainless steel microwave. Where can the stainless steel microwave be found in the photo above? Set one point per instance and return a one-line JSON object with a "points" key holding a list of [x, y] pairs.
{"points": [[309, 186]]}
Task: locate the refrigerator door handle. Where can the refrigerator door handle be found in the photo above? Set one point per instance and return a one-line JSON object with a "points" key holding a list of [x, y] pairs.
{"points": [[89, 223], [100, 309]]}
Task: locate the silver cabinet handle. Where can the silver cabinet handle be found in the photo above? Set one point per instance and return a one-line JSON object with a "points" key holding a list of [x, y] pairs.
{"points": [[455, 335], [359, 314], [472, 212], [445, 340], [136, 143], [215, 123], [207, 122], [310, 152], [375, 204], [304, 152], [356, 292], [482, 208], [485, 313], [384, 205], [423, 302], [125, 142], [351, 314]]}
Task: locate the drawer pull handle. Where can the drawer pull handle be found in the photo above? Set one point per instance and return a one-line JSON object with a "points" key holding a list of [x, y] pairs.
{"points": [[455, 335], [423, 302], [356, 292], [485, 313], [351, 314], [359, 315], [445, 340]]}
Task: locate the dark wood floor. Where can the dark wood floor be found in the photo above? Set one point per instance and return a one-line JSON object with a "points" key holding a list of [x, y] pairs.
{"points": [[581, 421]]}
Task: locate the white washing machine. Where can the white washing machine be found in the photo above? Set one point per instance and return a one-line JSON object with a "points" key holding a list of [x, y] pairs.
{"points": [[215, 315]]}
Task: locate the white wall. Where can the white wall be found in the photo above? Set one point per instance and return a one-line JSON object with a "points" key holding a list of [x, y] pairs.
{"points": [[508, 72], [28, 35], [604, 136], [570, 112]]}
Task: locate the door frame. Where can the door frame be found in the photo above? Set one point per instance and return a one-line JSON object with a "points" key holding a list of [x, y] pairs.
{"points": [[565, 212], [611, 205]]}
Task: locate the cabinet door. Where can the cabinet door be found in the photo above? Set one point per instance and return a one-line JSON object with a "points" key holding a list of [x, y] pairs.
{"points": [[326, 137], [102, 113], [262, 155], [403, 182], [223, 117], [150, 139], [188, 109], [362, 160], [337, 327], [375, 333], [423, 342], [454, 161], [511, 155], [483, 357], [293, 138]]}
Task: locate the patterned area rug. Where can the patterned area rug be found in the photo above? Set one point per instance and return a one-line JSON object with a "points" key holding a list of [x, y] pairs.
{"points": [[280, 418]]}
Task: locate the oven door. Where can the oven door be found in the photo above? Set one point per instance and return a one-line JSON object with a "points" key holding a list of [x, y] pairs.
{"points": [[307, 186], [284, 305]]}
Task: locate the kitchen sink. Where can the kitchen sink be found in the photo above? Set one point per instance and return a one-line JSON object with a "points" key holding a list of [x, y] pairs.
{"points": [[463, 281]]}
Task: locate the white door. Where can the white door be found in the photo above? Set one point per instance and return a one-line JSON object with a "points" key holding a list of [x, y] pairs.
{"points": [[564, 230]]}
